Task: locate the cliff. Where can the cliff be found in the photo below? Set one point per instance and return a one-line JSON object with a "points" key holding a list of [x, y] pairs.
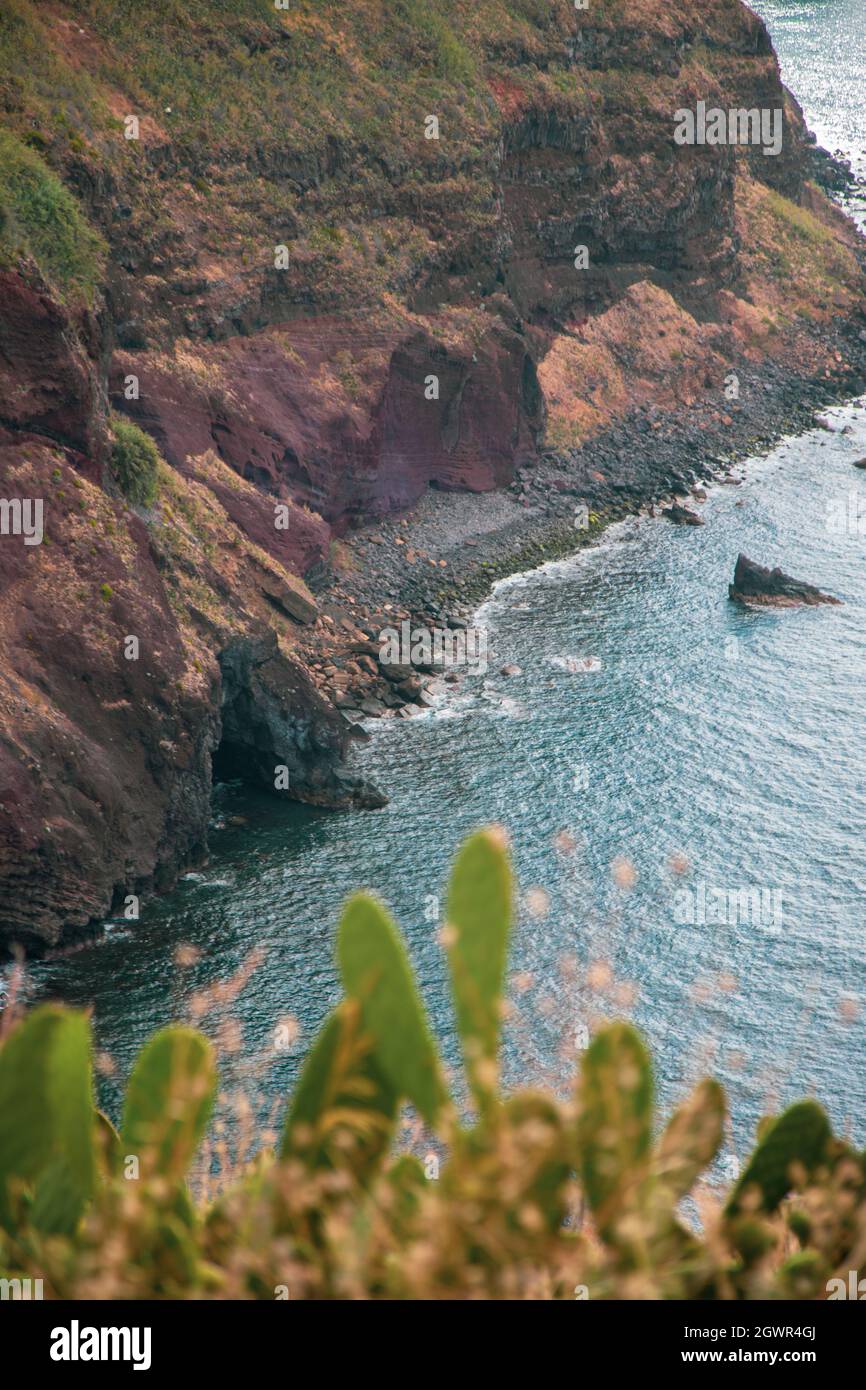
{"points": [[333, 267]]}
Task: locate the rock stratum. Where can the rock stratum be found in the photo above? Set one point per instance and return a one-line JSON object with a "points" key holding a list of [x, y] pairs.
{"points": [[234, 226]]}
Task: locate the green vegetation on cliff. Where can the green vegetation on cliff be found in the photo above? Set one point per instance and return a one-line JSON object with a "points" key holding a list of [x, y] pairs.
{"points": [[134, 462], [40, 218], [308, 124]]}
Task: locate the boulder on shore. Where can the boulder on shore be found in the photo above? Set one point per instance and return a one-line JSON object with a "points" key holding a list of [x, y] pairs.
{"points": [[755, 584], [682, 516]]}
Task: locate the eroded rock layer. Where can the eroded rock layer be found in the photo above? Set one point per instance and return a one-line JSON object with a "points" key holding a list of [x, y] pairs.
{"points": [[329, 258]]}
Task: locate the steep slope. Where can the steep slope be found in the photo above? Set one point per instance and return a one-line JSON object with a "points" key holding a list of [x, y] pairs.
{"points": [[336, 264]]}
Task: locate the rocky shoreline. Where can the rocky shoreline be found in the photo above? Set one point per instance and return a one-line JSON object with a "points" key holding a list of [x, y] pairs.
{"points": [[278, 398], [435, 564]]}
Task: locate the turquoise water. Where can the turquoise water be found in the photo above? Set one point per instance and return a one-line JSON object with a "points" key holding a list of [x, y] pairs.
{"points": [[710, 748], [733, 739], [822, 52]]}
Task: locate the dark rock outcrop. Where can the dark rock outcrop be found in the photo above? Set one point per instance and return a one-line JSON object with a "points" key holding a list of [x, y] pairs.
{"points": [[682, 516], [110, 691], [278, 733], [755, 584], [50, 380]]}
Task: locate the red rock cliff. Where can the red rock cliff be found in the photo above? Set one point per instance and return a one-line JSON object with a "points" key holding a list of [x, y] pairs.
{"points": [[309, 303]]}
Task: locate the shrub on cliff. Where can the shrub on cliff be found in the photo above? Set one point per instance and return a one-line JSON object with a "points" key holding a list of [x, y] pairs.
{"points": [[535, 1197], [134, 462], [40, 218]]}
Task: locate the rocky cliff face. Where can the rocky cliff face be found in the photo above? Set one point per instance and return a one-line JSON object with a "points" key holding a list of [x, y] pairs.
{"points": [[141, 648], [336, 264]]}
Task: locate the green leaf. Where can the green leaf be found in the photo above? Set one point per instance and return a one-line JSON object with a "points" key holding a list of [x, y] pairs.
{"points": [[107, 1145], [46, 1113], [344, 1110], [800, 1137], [479, 921], [615, 1120], [56, 1206], [168, 1102], [537, 1133], [691, 1140], [407, 1181], [377, 974]]}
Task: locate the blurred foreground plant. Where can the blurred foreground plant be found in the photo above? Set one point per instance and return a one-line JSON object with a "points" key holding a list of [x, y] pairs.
{"points": [[536, 1198]]}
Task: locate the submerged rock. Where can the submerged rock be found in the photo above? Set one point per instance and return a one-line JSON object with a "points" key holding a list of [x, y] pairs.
{"points": [[755, 584]]}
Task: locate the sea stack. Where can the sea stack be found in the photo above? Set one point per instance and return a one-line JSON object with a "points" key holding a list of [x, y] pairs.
{"points": [[755, 584]]}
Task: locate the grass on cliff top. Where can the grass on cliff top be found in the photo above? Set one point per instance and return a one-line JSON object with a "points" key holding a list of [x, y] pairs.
{"points": [[39, 217], [793, 261], [304, 119], [241, 73], [41, 91]]}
